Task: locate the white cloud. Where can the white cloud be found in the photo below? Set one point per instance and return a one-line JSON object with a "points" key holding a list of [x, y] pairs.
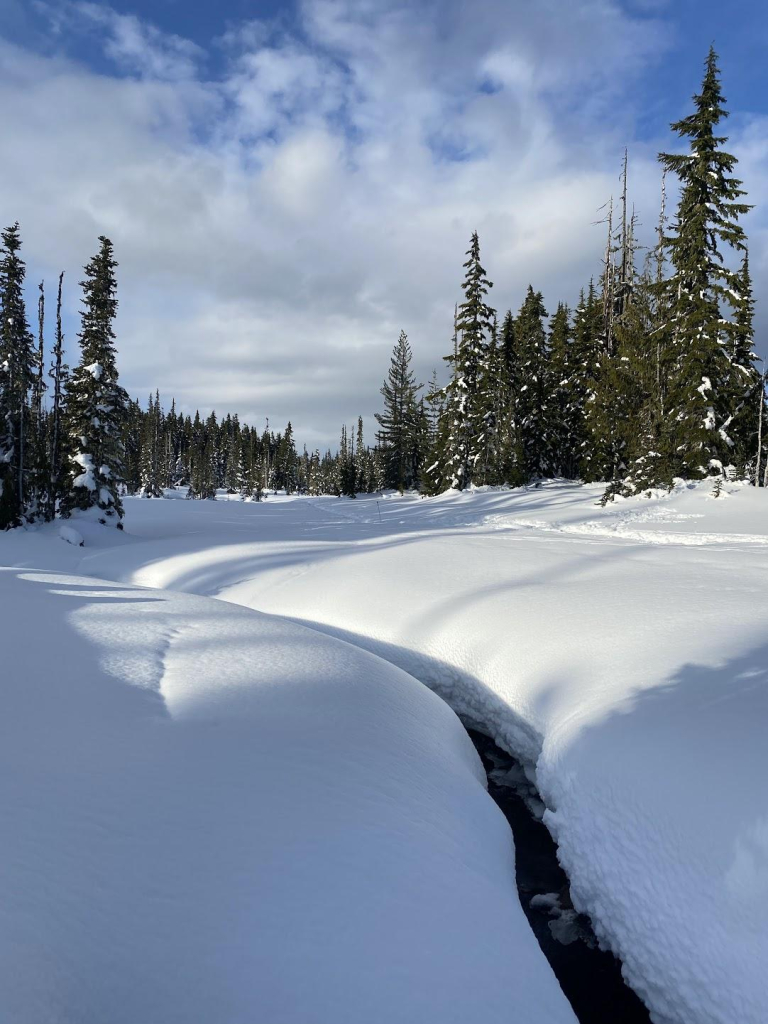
{"points": [[278, 225]]}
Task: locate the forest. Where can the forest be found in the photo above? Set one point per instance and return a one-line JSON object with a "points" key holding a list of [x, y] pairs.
{"points": [[652, 377]]}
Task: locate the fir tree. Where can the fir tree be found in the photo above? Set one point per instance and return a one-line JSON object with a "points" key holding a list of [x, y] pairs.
{"points": [[533, 415], [584, 459], [151, 450], [559, 366], [466, 405], [17, 376], [38, 474], [505, 380], [95, 402], [744, 384], [285, 463], [399, 421], [233, 480], [707, 217]]}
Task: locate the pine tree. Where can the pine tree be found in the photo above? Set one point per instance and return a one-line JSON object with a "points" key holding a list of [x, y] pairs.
{"points": [[744, 384], [362, 461], [584, 458], [559, 344], [466, 404], [511, 462], [532, 412], [151, 450], [17, 377], [233, 480], [204, 459], [38, 474], [95, 402], [285, 463], [399, 421], [707, 217], [346, 465]]}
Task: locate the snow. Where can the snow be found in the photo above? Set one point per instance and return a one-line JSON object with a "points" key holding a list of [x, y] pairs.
{"points": [[85, 479], [215, 815], [619, 652], [71, 536]]}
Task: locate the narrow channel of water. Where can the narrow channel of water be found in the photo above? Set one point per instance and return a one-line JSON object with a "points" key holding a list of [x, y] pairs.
{"points": [[590, 977]]}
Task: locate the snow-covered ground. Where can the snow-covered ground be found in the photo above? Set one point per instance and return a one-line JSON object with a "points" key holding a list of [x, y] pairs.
{"points": [[622, 653], [213, 816]]}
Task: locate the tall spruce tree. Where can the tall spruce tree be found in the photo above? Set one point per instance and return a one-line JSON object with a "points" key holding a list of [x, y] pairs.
{"points": [[535, 417], [95, 401], [152, 449], [745, 385], [559, 363], [18, 366], [700, 406], [399, 422], [466, 405]]}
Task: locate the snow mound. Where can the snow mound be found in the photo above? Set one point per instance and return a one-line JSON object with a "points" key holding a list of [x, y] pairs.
{"points": [[211, 815], [71, 536]]}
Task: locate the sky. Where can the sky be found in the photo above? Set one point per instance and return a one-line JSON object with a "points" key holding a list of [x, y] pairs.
{"points": [[290, 185]]}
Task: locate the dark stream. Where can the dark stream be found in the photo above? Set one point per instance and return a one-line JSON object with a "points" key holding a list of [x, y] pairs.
{"points": [[590, 977]]}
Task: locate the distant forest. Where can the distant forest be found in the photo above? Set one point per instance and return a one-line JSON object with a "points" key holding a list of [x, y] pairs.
{"points": [[652, 377]]}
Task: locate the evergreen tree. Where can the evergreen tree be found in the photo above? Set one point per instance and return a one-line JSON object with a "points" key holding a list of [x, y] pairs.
{"points": [[399, 421], [59, 374], [17, 377], [744, 385], [466, 403], [285, 463], [559, 366], [204, 460], [132, 441], [362, 461], [504, 378], [234, 463], [532, 413], [95, 402], [151, 450], [346, 467], [38, 475], [583, 458], [700, 403]]}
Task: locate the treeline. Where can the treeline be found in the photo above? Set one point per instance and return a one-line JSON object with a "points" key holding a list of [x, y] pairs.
{"points": [[652, 377], [170, 450]]}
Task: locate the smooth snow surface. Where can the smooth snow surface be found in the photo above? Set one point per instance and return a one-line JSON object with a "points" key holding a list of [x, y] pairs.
{"points": [[621, 653], [213, 816]]}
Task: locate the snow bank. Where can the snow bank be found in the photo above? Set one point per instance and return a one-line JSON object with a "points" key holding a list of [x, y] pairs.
{"points": [[621, 652], [211, 815]]}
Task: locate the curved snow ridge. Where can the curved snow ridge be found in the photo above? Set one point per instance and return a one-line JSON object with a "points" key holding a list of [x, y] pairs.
{"points": [[210, 814], [475, 703]]}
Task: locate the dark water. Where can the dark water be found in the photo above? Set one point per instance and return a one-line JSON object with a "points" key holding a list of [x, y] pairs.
{"points": [[590, 977]]}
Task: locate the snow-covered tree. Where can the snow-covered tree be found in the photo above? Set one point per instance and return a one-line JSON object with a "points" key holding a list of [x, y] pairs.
{"points": [[17, 377], [700, 401], [399, 422], [95, 401], [466, 402]]}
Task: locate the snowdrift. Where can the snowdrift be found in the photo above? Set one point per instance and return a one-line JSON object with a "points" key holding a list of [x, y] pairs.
{"points": [[211, 815]]}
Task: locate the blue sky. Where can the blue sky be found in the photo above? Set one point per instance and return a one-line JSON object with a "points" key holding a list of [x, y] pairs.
{"points": [[287, 186]]}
